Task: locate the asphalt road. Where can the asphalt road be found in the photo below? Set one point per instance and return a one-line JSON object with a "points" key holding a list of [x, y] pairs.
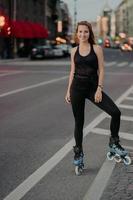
{"points": [[36, 124]]}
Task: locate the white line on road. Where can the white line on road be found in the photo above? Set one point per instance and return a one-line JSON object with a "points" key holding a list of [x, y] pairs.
{"points": [[124, 135], [47, 71], [41, 63], [131, 65], [109, 64], [127, 118], [129, 98], [34, 178], [126, 106], [100, 182], [124, 117], [122, 64], [11, 73], [33, 86]]}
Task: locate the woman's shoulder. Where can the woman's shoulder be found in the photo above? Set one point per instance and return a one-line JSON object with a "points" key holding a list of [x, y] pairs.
{"points": [[74, 49], [97, 48]]}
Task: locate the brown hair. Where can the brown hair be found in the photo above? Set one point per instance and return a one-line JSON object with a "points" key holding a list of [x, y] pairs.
{"points": [[91, 39]]}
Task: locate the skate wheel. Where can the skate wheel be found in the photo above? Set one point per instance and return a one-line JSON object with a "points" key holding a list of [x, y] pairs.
{"points": [[110, 156], [117, 158], [127, 160], [78, 170]]}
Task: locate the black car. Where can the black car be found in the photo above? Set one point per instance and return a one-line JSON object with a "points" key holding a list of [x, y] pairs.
{"points": [[41, 52]]}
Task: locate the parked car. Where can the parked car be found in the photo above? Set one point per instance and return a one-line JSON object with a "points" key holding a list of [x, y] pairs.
{"points": [[66, 48], [58, 52], [40, 52], [125, 47]]}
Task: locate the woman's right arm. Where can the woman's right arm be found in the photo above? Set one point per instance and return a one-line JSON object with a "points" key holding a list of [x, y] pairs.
{"points": [[67, 97]]}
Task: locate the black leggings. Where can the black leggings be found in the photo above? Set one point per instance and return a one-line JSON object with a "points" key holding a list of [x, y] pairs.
{"points": [[78, 95]]}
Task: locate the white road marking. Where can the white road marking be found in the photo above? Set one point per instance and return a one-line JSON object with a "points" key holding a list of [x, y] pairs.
{"points": [[127, 118], [124, 135], [110, 64], [124, 117], [32, 86], [41, 63], [129, 98], [126, 106], [100, 182], [131, 65], [34, 178], [47, 71], [122, 64], [11, 73]]}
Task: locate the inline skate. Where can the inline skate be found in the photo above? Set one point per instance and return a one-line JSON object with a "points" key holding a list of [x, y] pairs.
{"points": [[117, 152], [78, 160]]}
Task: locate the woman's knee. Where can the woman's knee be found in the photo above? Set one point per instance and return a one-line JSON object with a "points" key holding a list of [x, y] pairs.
{"points": [[116, 113]]}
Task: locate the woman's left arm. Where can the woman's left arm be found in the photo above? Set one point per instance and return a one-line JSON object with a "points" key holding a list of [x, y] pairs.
{"points": [[99, 53], [100, 57]]}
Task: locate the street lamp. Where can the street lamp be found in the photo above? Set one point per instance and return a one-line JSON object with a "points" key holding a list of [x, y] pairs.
{"points": [[2, 22], [75, 14]]}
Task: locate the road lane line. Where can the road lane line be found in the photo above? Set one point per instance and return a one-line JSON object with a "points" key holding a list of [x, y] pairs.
{"points": [[41, 63], [100, 182], [127, 118], [122, 64], [124, 117], [32, 86], [129, 98], [96, 190], [34, 178], [126, 106], [11, 73], [131, 65], [110, 64], [124, 135]]}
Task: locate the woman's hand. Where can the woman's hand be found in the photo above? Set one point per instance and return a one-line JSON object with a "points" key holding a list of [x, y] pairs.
{"points": [[98, 95], [67, 98]]}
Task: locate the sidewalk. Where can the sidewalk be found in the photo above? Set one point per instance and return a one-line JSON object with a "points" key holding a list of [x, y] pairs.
{"points": [[27, 61], [120, 185], [13, 60]]}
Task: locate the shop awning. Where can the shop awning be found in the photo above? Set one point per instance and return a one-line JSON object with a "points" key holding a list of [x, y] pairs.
{"points": [[22, 29]]}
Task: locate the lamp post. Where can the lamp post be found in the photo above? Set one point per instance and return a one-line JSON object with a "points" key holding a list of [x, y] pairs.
{"points": [[75, 14], [45, 13], [14, 18], [2, 22]]}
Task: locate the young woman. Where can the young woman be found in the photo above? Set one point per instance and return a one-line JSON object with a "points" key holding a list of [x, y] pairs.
{"points": [[86, 82]]}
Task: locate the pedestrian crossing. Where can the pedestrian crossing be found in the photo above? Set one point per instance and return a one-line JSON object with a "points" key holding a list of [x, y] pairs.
{"points": [[121, 104]]}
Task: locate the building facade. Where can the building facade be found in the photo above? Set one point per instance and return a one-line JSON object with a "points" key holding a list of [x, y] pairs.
{"points": [[44, 12], [124, 16]]}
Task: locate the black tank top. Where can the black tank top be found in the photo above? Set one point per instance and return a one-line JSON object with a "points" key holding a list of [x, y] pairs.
{"points": [[85, 66]]}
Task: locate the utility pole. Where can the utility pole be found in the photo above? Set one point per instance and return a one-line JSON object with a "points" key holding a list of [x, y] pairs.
{"points": [[9, 40], [75, 14], [14, 18], [45, 13]]}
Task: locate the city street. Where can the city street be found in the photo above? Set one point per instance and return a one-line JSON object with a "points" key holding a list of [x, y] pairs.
{"points": [[36, 134]]}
